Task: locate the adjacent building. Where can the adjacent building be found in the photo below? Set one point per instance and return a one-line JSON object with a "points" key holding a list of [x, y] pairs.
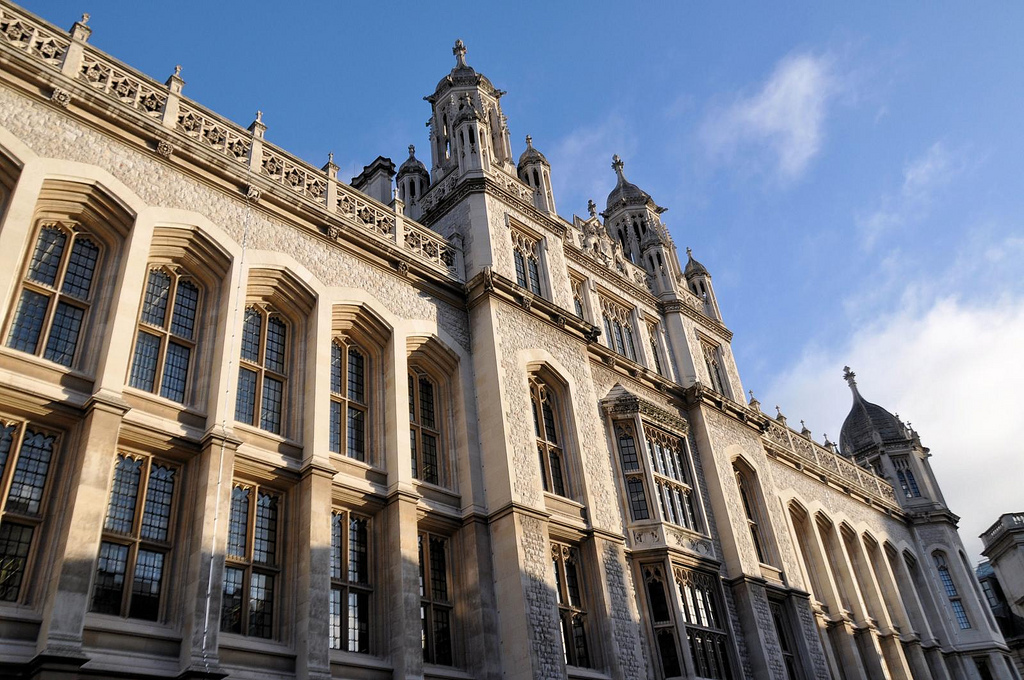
{"points": [[256, 422]]}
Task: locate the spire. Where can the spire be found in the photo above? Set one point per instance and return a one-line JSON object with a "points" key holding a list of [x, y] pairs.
{"points": [[460, 54], [617, 166], [529, 142], [848, 375], [867, 425]]}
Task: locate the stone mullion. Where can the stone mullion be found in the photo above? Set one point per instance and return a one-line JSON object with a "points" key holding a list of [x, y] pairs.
{"points": [[89, 458], [202, 557], [313, 574]]}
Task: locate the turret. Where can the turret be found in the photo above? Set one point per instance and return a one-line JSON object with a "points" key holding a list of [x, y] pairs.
{"points": [[874, 437], [412, 180], [535, 170], [698, 280], [468, 131]]}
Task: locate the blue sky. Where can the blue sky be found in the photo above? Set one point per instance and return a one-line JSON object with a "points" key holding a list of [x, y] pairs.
{"points": [[852, 175]]}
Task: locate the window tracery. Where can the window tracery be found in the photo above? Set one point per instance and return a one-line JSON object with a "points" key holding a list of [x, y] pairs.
{"points": [[705, 627], [618, 328], [525, 252], [570, 593], [548, 420]]}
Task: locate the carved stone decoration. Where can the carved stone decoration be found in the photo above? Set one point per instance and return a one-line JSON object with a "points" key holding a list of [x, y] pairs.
{"points": [[488, 275], [333, 231], [164, 149], [609, 360], [252, 193], [402, 267], [626, 403], [60, 97], [559, 320], [526, 300], [593, 334]]}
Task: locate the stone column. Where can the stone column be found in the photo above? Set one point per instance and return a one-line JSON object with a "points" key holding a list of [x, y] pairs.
{"points": [[202, 557], [313, 573], [90, 463]]}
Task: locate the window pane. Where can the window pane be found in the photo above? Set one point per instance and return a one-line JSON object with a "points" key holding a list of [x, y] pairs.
{"points": [[46, 256], [549, 421], [438, 569], [123, 495], [6, 440], [264, 544], [81, 268], [414, 454], [659, 603], [186, 305], [154, 305], [67, 322], [336, 358], [110, 570], [426, 403], [336, 427], [251, 327], [175, 372], [147, 353], [637, 498], [29, 476], [245, 406], [579, 641], [630, 347], [534, 275], [520, 268], [337, 556], [442, 634], [617, 329], [273, 396], [156, 516], [669, 655], [572, 584], [239, 522], [356, 433], [335, 618], [276, 334], [356, 377], [28, 321], [627, 451], [149, 571], [231, 601], [358, 564], [429, 455], [15, 541], [557, 478], [358, 623], [261, 606]]}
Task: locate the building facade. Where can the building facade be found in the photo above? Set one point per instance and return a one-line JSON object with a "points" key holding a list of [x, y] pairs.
{"points": [[1001, 575], [211, 351]]}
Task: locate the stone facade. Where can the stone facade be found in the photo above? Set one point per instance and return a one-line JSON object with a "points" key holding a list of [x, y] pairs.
{"points": [[210, 353]]}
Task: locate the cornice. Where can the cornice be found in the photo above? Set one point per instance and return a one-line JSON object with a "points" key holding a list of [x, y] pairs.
{"points": [[678, 305], [630, 404]]}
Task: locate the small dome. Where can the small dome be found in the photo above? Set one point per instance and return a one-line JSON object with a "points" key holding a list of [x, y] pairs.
{"points": [[868, 424], [412, 164], [531, 155], [694, 268], [625, 191]]}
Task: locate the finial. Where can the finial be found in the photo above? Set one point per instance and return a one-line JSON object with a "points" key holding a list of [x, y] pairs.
{"points": [[177, 70], [617, 164], [85, 18], [849, 376], [689, 252], [529, 142], [779, 417], [753, 403], [829, 444], [330, 156], [460, 54], [412, 151], [805, 431], [592, 208], [259, 116]]}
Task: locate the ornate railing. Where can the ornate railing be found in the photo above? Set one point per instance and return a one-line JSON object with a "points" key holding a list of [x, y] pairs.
{"points": [[73, 57], [830, 463]]}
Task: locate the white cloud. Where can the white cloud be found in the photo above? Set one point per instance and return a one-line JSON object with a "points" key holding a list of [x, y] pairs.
{"points": [[954, 370], [922, 178], [582, 162], [785, 118]]}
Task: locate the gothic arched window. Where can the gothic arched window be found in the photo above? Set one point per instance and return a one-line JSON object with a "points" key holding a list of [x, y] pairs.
{"points": [[349, 399], [949, 587], [262, 375], [547, 424]]}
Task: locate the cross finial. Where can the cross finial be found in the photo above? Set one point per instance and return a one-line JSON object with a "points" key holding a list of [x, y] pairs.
{"points": [[85, 18], [689, 252], [259, 116], [529, 142], [412, 151], [460, 53], [177, 70], [330, 156], [849, 376]]}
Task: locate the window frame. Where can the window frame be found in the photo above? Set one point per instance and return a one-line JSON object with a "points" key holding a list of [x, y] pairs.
{"points": [[714, 361], [526, 256], [418, 429], [654, 572], [617, 321], [133, 539], [571, 613], [753, 509], [37, 522], [692, 607], [430, 602], [677, 492], [579, 297], [541, 393], [345, 585], [905, 477], [178, 276], [248, 565], [267, 313], [346, 403], [73, 231], [633, 474], [949, 588]]}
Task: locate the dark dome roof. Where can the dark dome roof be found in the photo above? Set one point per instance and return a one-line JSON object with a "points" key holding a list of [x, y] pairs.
{"points": [[412, 164], [868, 424], [531, 155], [625, 191], [694, 268]]}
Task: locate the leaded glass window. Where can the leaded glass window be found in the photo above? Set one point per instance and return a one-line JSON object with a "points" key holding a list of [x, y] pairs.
{"points": [[705, 628], [349, 400], [351, 588], [636, 493], [673, 478], [165, 343], [570, 594], [548, 422], [618, 328], [436, 601], [262, 376], [136, 543], [949, 586], [26, 460], [252, 566], [662, 620], [56, 293], [425, 428], [525, 253]]}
